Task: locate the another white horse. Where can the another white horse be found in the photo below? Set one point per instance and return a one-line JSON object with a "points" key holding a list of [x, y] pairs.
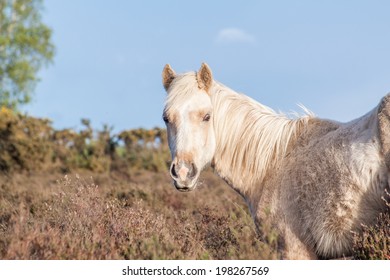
{"points": [[315, 181]]}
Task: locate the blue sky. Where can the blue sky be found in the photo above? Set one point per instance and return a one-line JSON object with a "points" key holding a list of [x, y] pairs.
{"points": [[331, 56]]}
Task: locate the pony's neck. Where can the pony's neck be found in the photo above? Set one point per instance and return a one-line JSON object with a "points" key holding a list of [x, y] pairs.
{"points": [[251, 138]]}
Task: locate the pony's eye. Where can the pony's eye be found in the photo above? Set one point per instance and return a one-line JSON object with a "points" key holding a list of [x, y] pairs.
{"points": [[206, 118], [165, 118]]}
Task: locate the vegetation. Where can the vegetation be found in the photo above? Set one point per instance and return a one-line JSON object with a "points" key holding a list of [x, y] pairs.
{"points": [[75, 218], [25, 46], [31, 144], [374, 242], [123, 205]]}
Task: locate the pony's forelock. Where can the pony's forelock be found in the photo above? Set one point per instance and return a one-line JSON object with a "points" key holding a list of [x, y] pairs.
{"points": [[181, 88]]}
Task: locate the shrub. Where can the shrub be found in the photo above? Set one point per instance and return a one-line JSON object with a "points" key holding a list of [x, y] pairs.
{"points": [[25, 142], [146, 149], [29, 144]]}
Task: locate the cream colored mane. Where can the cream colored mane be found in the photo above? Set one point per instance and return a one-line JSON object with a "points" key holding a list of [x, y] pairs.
{"points": [[251, 138]]}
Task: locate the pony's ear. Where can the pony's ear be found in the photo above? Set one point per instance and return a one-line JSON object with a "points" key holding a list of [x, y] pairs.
{"points": [[167, 76], [205, 77]]}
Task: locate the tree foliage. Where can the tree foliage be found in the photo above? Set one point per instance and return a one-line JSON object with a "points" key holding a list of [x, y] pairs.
{"points": [[25, 46]]}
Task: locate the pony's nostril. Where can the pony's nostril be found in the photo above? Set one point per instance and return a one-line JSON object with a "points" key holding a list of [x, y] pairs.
{"points": [[192, 172], [173, 171]]}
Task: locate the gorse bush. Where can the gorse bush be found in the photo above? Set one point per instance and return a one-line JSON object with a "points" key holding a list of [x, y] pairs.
{"points": [[145, 149], [25, 142], [84, 150], [28, 144]]}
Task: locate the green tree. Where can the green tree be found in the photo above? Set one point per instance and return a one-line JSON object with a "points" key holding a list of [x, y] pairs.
{"points": [[25, 46]]}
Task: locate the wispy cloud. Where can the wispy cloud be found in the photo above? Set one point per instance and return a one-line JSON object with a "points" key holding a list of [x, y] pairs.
{"points": [[234, 35]]}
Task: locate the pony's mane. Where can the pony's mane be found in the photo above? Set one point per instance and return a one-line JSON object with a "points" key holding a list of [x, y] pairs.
{"points": [[251, 138]]}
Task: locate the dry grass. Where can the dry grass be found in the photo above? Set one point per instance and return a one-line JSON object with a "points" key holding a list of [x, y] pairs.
{"points": [[109, 217]]}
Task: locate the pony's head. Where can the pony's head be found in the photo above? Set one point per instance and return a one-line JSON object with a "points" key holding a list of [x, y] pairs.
{"points": [[188, 115]]}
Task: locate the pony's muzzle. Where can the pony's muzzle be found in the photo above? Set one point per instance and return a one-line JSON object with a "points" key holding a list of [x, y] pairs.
{"points": [[183, 174]]}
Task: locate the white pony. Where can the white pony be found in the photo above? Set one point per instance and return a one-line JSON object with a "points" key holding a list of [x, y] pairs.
{"points": [[315, 181]]}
